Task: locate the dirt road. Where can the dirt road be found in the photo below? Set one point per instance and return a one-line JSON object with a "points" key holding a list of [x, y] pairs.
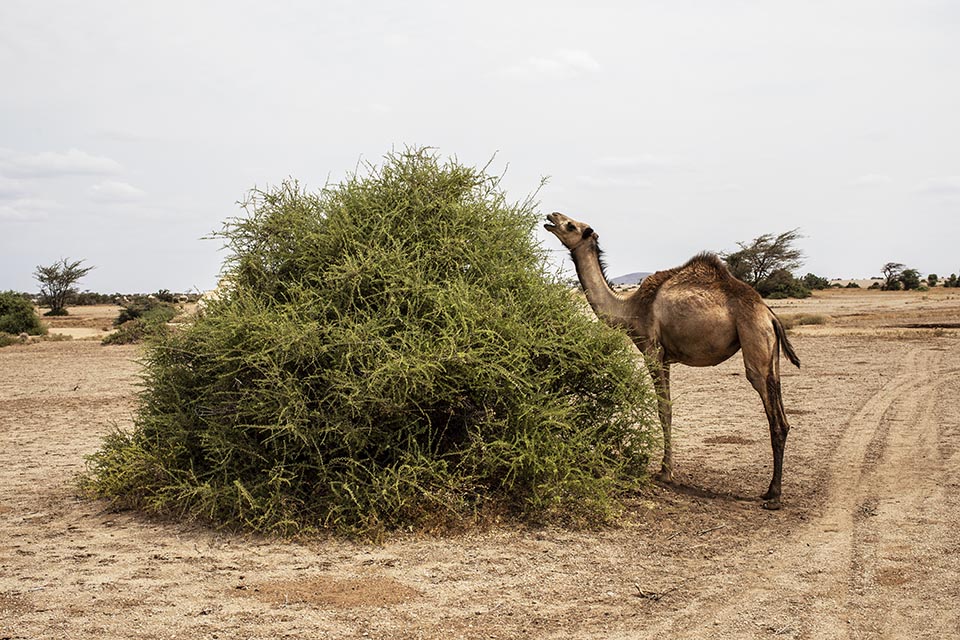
{"points": [[867, 545]]}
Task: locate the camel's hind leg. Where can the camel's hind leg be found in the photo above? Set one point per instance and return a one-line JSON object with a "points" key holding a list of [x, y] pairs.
{"points": [[761, 356]]}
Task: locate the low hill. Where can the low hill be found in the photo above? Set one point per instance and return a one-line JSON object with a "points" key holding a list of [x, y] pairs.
{"points": [[631, 278]]}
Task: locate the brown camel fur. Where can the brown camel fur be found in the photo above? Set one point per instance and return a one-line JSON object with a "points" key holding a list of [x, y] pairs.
{"points": [[698, 315]]}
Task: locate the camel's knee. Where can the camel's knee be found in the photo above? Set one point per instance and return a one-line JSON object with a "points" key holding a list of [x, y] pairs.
{"points": [[758, 380]]}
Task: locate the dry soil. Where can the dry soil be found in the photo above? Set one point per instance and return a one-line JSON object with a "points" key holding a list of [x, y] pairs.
{"points": [[866, 545]]}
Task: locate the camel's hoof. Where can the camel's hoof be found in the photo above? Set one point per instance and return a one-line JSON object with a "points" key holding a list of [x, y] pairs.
{"points": [[664, 476], [772, 505]]}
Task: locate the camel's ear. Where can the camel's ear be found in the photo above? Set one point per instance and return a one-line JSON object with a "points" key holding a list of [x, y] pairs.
{"points": [[588, 232]]}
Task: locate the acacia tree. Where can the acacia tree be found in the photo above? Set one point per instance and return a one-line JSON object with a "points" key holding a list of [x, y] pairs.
{"points": [[56, 283], [891, 274], [760, 257]]}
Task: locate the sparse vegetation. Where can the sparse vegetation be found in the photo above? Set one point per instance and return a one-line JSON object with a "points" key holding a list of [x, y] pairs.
{"points": [[57, 284], [141, 319], [145, 307], [800, 319], [391, 353], [7, 339], [85, 298]]}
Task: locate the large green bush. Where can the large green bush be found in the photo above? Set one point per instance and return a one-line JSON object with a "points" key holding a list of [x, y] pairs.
{"points": [[391, 352], [17, 315]]}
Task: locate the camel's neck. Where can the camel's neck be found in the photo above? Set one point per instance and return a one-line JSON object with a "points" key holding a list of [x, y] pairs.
{"points": [[610, 306]]}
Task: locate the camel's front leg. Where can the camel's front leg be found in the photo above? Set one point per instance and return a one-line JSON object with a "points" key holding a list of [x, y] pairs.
{"points": [[660, 372]]}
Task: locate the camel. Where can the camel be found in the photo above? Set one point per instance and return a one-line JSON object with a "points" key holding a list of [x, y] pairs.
{"points": [[699, 315]]}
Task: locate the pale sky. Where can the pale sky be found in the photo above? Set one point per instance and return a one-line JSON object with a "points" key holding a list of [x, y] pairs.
{"points": [[129, 130]]}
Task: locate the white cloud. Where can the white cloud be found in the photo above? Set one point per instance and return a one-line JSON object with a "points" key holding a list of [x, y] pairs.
{"points": [[114, 191], [614, 182], [563, 63], [726, 187], [871, 180], [27, 209], [378, 109], [397, 40], [643, 162], [947, 187], [55, 164], [626, 172], [10, 188]]}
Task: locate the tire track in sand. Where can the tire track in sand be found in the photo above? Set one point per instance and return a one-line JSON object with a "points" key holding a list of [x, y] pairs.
{"points": [[877, 562]]}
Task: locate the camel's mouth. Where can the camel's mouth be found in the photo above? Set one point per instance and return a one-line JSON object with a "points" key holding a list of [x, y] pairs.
{"points": [[551, 222]]}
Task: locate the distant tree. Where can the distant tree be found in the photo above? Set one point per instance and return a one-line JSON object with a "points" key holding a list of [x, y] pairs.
{"points": [[951, 281], [852, 285], [56, 284], [910, 279], [891, 275], [759, 258], [932, 280], [811, 281]]}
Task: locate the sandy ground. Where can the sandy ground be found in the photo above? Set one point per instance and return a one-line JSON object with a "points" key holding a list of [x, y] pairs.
{"points": [[865, 547]]}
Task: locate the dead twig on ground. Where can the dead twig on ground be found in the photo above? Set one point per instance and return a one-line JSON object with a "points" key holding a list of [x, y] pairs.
{"points": [[654, 596]]}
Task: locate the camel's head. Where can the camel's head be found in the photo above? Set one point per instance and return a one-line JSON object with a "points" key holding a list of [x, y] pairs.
{"points": [[570, 232]]}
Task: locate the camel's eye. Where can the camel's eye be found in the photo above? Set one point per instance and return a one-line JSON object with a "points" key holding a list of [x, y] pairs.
{"points": [[571, 227]]}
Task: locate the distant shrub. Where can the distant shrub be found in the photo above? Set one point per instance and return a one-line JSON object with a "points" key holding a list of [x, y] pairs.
{"points": [[814, 282], [790, 321], [392, 353], [17, 315], [910, 279], [7, 339], [85, 298], [142, 319], [133, 332], [60, 311], [781, 284], [151, 309], [853, 285]]}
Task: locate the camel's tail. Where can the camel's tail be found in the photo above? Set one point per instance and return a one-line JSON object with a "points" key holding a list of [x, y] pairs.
{"points": [[782, 337]]}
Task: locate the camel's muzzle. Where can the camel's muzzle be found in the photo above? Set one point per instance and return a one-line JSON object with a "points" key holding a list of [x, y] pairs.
{"points": [[551, 222]]}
